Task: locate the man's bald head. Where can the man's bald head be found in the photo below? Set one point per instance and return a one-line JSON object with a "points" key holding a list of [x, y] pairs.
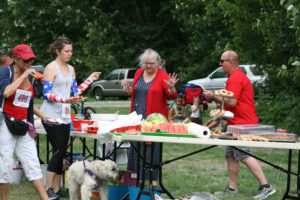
{"points": [[229, 62], [232, 56]]}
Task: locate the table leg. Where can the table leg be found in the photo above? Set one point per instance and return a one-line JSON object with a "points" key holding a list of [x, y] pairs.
{"points": [[160, 174], [83, 146], [71, 149], [286, 194], [95, 149], [143, 172], [298, 178], [47, 149]]}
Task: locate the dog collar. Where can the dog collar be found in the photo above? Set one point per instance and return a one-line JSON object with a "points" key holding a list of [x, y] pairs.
{"points": [[91, 174]]}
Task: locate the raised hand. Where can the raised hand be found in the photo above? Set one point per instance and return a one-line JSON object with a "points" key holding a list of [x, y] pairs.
{"points": [[172, 80], [95, 75]]}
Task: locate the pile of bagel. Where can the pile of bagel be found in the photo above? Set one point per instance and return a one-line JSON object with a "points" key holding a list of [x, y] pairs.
{"points": [[223, 92], [217, 112]]}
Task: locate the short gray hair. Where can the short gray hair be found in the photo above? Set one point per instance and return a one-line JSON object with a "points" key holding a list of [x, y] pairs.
{"points": [[146, 53]]}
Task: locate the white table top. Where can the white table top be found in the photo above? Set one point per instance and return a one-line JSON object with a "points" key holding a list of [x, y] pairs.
{"points": [[188, 140], [219, 142], [84, 135]]}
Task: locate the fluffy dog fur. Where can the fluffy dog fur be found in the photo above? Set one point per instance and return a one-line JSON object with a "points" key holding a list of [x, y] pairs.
{"points": [[105, 170]]}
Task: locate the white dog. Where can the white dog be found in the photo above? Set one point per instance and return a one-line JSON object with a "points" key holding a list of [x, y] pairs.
{"points": [[90, 175]]}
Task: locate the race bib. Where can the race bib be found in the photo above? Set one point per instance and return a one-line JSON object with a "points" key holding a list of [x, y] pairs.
{"points": [[66, 110], [22, 98]]}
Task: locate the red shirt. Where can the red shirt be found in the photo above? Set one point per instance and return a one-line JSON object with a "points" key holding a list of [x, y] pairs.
{"points": [[16, 111], [244, 111], [157, 95]]}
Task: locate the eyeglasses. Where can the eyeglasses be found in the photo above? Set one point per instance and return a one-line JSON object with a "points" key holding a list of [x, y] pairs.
{"points": [[29, 60], [149, 63], [223, 60]]}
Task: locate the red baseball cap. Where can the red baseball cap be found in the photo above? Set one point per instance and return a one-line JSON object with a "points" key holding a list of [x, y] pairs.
{"points": [[24, 51]]}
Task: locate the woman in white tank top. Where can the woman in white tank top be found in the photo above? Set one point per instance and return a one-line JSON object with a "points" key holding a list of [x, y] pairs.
{"points": [[59, 84]]}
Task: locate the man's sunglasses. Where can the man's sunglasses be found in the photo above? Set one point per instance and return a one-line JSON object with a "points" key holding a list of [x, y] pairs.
{"points": [[29, 60], [223, 60]]}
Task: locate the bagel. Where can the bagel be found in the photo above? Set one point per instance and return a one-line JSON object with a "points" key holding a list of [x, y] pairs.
{"points": [[217, 92], [217, 112], [229, 93], [214, 112], [223, 92]]}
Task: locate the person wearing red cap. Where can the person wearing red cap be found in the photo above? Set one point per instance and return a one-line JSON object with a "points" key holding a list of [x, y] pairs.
{"points": [[16, 97], [4, 58]]}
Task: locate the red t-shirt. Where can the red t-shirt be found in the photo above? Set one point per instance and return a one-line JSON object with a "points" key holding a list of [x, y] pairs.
{"points": [[16, 111], [244, 111]]}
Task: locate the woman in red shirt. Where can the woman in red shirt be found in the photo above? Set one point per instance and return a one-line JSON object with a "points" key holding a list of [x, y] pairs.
{"points": [[149, 92], [17, 90]]}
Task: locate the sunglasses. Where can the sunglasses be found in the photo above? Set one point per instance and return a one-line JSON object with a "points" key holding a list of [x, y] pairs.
{"points": [[29, 60], [223, 60], [149, 63]]}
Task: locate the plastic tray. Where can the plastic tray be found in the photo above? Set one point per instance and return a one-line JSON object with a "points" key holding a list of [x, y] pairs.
{"points": [[292, 137], [168, 134], [254, 129], [223, 137]]}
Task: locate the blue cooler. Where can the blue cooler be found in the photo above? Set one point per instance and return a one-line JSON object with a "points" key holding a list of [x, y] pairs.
{"points": [[134, 191], [116, 192]]}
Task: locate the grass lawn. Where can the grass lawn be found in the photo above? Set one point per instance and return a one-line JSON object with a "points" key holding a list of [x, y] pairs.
{"points": [[202, 172]]}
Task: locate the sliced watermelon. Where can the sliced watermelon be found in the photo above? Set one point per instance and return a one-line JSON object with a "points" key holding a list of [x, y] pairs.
{"points": [[38, 75]]}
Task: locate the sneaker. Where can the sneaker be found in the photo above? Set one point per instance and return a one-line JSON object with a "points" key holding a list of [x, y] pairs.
{"points": [[226, 192], [52, 195], [62, 194], [265, 192]]}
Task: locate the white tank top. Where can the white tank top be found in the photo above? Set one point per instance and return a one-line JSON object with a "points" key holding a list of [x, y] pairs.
{"points": [[61, 87], [196, 113]]}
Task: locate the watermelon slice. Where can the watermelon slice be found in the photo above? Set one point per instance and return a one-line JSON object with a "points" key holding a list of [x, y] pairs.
{"points": [[38, 75]]}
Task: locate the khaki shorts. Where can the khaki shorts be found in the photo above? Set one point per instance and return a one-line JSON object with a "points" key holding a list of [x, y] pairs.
{"points": [[236, 154]]}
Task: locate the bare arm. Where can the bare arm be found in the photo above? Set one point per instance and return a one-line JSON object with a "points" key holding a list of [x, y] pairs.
{"points": [[229, 102], [11, 88], [184, 112], [172, 114], [39, 113]]}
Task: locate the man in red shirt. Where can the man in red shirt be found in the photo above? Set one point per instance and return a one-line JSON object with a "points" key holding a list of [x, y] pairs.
{"points": [[4, 58], [243, 108]]}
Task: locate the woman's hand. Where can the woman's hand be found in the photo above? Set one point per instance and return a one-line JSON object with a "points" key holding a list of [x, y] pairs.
{"points": [[28, 72], [125, 85], [171, 82], [95, 76]]}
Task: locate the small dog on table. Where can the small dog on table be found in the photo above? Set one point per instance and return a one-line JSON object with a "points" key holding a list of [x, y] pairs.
{"points": [[89, 175]]}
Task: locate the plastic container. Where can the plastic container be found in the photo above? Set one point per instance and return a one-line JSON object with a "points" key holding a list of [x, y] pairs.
{"points": [[116, 192], [252, 129], [134, 192], [77, 124], [17, 176]]}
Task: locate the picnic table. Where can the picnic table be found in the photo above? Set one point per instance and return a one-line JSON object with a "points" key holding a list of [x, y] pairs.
{"points": [[210, 143]]}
